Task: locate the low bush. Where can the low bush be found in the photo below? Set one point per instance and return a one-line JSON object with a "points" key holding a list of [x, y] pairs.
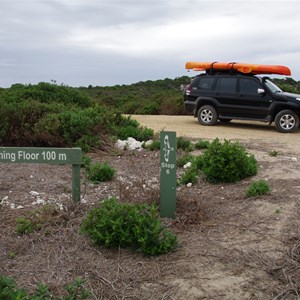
{"points": [[258, 188], [126, 127], [181, 161], [155, 145], [189, 176], [184, 144], [24, 225], [115, 224], [202, 144], [10, 291], [100, 172], [227, 162]]}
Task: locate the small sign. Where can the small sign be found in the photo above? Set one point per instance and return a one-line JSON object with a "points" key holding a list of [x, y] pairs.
{"points": [[60, 156], [168, 148], [41, 155]]}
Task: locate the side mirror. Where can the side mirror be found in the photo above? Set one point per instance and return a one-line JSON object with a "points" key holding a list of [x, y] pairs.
{"points": [[261, 92]]}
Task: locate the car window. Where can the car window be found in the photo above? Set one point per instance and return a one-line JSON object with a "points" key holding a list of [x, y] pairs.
{"points": [[226, 85], [206, 83], [248, 86]]}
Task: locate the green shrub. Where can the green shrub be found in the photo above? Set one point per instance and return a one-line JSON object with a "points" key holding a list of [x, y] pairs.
{"points": [[181, 161], [198, 162], [258, 188], [9, 291], [189, 176], [88, 142], [100, 172], [274, 153], [227, 162], [155, 145], [202, 144], [24, 225], [138, 133], [184, 144], [151, 108], [86, 162], [117, 224]]}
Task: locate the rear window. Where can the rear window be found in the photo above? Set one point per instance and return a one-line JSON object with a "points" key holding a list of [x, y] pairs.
{"points": [[203, 83]]}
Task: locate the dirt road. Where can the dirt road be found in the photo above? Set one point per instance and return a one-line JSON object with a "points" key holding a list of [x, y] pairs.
{"points": [[254, 132]]}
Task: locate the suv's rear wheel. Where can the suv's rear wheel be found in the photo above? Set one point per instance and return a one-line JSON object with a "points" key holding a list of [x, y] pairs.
{"points": [[287, 121], [207, 115]]}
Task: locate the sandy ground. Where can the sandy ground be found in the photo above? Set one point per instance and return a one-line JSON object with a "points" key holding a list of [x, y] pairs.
{"points": [[235, 130], [231, 246]]}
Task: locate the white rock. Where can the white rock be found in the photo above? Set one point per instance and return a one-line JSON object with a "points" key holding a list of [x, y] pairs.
{"points": [[34, 193], [40, 201], [148, 143], [187, 165], [133, 144], [120, 144], [12, 206], [129, 144], [19, 207], [189, 185], [4, 199]]}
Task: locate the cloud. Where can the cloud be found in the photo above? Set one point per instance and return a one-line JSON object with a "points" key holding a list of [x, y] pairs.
{"points": [[115, 42]]}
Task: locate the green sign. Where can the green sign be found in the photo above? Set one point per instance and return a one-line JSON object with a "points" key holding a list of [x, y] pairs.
{"points": [[168, 148], [59, 156]]}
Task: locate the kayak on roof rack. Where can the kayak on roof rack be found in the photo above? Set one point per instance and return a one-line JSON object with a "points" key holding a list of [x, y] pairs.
{"points": [[245, 68]]}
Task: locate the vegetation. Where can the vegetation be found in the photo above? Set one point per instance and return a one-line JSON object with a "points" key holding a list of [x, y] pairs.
{"points": [[274, 153], [222, 162], [56, 116], [184, 144], [202, 144], [100, 172], [155, 145], [24, 226], [10, 291], [115, 224], [227, 162], [258, 188], [149, 97]]}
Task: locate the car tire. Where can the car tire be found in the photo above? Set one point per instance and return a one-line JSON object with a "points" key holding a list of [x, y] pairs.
{"points": [[207, 115], [287, 121]]}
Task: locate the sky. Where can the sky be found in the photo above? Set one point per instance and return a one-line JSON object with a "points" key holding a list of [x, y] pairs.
{"points": [[115, 42]]}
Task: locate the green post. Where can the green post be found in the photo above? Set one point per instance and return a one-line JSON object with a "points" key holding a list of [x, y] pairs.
{"points": [[76, 183], [168, 148]]}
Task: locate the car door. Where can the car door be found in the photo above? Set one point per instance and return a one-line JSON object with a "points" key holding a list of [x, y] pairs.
{"points": [[225, 94], [251, 103]]}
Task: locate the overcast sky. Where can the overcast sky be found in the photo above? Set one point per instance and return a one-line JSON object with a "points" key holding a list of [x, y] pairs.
{"points": [[100, 42]]}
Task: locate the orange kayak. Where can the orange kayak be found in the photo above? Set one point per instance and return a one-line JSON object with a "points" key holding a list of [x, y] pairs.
{"points": [[240, 67]]}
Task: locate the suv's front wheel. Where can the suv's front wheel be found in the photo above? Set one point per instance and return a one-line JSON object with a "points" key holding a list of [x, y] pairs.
{"points": [[207, 115], [287, 121]]}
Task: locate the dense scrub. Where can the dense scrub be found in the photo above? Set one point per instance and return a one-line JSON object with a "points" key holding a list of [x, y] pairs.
{"points": [[51, 115], [149, 97]]}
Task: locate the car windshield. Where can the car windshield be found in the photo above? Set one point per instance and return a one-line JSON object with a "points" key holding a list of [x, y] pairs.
{"points": [[272, 86]]}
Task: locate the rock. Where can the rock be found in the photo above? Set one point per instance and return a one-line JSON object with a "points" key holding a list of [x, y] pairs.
{"points": [[187, 165], [189, 184], [129, 144], [34, 193]]}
